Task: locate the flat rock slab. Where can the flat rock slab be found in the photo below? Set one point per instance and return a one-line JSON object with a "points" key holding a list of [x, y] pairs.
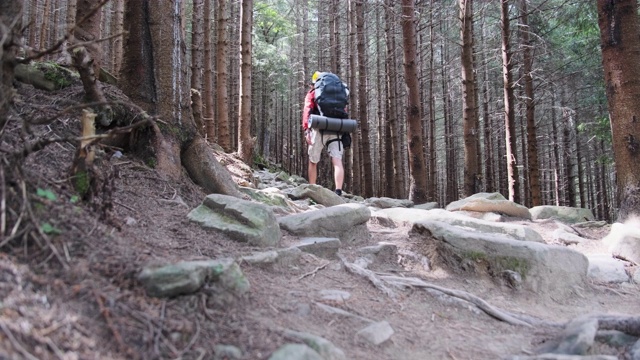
{"points": [[565, 214], [400, 216], [347, 222], [316, 193], [188, 277], [323, 247], [386, 202], [543, 268], [490, 202], [241, 220]]}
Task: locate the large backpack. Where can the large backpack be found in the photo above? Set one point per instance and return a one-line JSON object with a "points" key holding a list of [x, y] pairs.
{"points": [[331, 95]]}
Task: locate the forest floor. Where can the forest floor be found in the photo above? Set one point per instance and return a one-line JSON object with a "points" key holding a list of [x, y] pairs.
{"points": [[82, 301]]}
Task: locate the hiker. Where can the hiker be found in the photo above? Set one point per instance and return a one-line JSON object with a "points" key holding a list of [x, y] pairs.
{"points": [[317, 139]]}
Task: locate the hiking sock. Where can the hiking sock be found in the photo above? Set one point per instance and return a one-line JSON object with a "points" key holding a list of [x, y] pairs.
{"points": [[339, 192]]}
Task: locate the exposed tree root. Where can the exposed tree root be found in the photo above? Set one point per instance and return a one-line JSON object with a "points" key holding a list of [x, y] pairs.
{"points": [[369, 275], [381, 282]]}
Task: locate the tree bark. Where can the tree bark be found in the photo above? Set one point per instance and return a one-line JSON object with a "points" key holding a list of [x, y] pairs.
{"points": [[245, 143], [532, 141], [222, 95], [362, 102], [207, 96], [117, 42], [509, 115], [10, 27], [417, 171], [89, 30], [470, 109], [396, 168], [154, 70], [620, 43]]}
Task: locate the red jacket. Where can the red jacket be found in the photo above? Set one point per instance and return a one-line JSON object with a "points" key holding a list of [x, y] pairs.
{"points": [[309, 108]]}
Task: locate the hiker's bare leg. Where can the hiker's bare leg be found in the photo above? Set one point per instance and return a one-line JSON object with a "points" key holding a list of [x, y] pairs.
{"points": [[313, 172], [338, 172]]}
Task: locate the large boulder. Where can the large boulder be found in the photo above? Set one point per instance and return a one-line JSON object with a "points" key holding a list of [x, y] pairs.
{"points": [[543, 268], [386, 202], [490, 202], [317, 193], [188, 277], [400, 216], [565, 214], [624, 241], [347, 222], [241, 220]]}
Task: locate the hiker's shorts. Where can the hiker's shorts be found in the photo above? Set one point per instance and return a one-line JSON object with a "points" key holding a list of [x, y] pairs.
{"points": [[318, 142]]}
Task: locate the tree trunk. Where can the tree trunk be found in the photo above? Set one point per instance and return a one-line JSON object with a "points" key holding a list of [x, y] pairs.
{"points": [[222, 95], [89, 30], [393, 127], [245, 143], [620, 43], [532, 142], [154, 77], [207, 96], [10, 28], [356, 171], [362, 102], [417, 171], [197, 45], [44, 25], [432, 185], [470, 109], [556, 154], [117, 42], [509, 116]]}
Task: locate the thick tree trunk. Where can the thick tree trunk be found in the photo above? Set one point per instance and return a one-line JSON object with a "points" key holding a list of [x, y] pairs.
{"points": [[197, 45], [89, 30], [417, 171], [532, 141], [620, 43], [432, 184], [245, 143], [396, 170], [10, 27], [470, 109], [154, 77], [207, 96], [222, 95], [117, 42], [509, 115], [362, 102], [355, 168]]}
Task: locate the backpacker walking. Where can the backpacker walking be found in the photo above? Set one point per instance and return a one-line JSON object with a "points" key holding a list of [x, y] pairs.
{"points": [[328, 97]]}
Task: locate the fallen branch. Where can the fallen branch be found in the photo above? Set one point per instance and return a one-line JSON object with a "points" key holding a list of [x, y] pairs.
{"points": [[314, 271], [105, 314], [15, 343]]}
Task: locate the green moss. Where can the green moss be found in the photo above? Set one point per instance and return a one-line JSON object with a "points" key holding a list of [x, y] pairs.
{"points": [[520, 266], [81, 183], [152, 163], [474, 255], [60, 76]]}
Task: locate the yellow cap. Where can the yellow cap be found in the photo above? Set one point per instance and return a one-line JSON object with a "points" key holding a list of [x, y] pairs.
{"points": [[315, 76]]}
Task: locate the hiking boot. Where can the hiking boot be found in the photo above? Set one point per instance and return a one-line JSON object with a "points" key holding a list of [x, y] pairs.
{"points": [[339, 192]]}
